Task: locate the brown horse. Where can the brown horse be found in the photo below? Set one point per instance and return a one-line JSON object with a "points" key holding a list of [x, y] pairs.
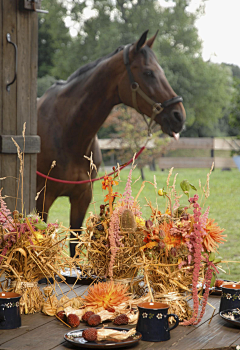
{"points": [[70, 114]]}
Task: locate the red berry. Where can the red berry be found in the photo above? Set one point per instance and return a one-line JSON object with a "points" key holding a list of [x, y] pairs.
{"points": [[121, 319], [111, 309], [73, 320], [61, 315], [94, 320], [87, 315], [90, 334]]}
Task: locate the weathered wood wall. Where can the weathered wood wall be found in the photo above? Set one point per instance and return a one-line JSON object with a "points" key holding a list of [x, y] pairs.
{"points": [[18, 106]]}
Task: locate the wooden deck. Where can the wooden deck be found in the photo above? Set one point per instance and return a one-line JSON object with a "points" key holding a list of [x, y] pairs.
{"points": [[40, 332]]}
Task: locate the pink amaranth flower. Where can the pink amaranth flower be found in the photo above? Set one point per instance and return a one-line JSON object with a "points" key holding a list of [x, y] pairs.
{"points": [[196, 239]]}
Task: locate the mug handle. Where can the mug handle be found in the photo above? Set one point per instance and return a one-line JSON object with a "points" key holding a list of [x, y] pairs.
{"points": [[176, 319], [2, 317]]}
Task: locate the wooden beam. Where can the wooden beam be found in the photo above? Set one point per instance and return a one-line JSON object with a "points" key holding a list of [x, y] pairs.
{"points": [[195, 162], [191, 143], [32, 144]]}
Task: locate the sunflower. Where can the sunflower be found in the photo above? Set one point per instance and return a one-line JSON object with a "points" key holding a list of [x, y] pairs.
{"points": [[213, 236]]}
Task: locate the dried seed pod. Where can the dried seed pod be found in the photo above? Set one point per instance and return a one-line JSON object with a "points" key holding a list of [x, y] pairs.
{"points": [[128, 222]]}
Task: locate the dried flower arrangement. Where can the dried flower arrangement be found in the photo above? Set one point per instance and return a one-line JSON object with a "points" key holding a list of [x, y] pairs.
{"points": [[29, 251], [111, 242], [174, 250], [179, 252]]}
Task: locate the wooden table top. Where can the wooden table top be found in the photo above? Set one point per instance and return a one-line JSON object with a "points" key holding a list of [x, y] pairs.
{"points": [[41, 332]]}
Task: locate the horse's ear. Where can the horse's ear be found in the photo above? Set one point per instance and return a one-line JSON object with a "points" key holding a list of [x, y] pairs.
{"points": [[141, 41], [151, 40]]}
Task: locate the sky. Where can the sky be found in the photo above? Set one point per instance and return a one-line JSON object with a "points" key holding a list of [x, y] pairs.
{"points": [[219, 29]]}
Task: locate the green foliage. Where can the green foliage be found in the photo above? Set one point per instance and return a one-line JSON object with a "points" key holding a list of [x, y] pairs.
{"points": [[234, 117], [132, 130], [186, 186], [53, 35], [44, 83], [205, 87]]}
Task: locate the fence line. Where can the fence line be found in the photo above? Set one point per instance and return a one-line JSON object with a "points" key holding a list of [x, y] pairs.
{"points": [[210, 143]]}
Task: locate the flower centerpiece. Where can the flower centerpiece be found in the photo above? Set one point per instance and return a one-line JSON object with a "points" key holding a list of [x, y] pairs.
{"points": [[111, 243], [30, 250], [171, 252], [180, 252]]}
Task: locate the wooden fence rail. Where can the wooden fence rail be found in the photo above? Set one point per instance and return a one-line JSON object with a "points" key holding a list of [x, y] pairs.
{"points": [[204, 143]]}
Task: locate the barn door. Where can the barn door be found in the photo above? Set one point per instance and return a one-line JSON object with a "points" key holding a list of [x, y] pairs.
{"points": [[18, 42]]}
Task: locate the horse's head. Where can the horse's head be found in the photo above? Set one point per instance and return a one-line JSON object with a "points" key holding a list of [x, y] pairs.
{"points": [[144, 86]]}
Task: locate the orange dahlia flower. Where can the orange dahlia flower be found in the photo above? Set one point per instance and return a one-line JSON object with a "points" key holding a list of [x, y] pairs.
{"points": [[171, 241], [214, 236], [106, 295]]}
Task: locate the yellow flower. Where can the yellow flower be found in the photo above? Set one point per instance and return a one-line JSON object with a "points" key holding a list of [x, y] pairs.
{"points": [[160, 192], [140, 221]]}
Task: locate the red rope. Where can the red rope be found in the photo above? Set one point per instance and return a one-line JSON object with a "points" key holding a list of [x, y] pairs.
{"points": [[90, 180]]}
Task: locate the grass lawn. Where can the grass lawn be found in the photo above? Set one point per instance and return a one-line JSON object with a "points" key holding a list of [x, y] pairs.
{"points": [[224, 202]]}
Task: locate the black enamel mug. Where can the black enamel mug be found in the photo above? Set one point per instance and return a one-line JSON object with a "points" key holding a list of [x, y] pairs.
{"points": [[9, 310], [153, 321], [230, 298]]}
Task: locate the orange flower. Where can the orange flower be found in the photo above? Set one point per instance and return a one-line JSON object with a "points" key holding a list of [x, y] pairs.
{"points": [[113, 195], [214, 236], [171, 241], [149, 245], [168, 211], [106, 294], [108, 180]]}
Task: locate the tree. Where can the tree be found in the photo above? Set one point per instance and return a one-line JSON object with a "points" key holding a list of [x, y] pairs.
{"points": [[205, 87], [53, 35], [131, 129], [234, 116]]}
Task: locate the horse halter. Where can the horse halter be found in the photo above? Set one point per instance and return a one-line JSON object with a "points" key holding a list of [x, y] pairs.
{"points": [[157, 107]]}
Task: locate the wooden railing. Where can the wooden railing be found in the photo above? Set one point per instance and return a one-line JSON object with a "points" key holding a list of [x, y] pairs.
{"points": [[204, 143]]}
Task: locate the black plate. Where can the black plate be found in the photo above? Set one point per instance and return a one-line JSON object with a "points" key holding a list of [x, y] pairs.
{"points": [[84, 278], [232, 316], [105, 344]]}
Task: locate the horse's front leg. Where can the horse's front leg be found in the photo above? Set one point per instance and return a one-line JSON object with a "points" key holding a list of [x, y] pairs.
{"points": [[44, 203], [79, 205]]}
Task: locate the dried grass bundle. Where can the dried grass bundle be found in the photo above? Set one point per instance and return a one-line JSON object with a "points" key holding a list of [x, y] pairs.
{"points": [[29, 251], [95, 252]]}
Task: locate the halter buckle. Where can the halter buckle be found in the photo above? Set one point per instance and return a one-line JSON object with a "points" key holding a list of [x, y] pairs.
{"points": [[157, 108], [134, 86]]}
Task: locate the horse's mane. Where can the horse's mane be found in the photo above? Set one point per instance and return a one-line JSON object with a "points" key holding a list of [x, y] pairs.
{"points": [[89, 66]]}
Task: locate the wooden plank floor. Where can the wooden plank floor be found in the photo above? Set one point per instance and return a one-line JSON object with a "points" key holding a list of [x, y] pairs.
{"points": [[41, 332]]}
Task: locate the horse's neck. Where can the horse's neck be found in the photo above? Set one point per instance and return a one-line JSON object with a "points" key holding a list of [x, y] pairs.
{"points": [[91, 102]]}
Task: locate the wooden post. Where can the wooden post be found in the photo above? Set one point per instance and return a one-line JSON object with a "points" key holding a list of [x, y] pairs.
{"points": [[19, 104]]}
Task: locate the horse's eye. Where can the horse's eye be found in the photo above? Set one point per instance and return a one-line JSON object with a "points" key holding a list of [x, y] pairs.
{"points": [[149, 73]]}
